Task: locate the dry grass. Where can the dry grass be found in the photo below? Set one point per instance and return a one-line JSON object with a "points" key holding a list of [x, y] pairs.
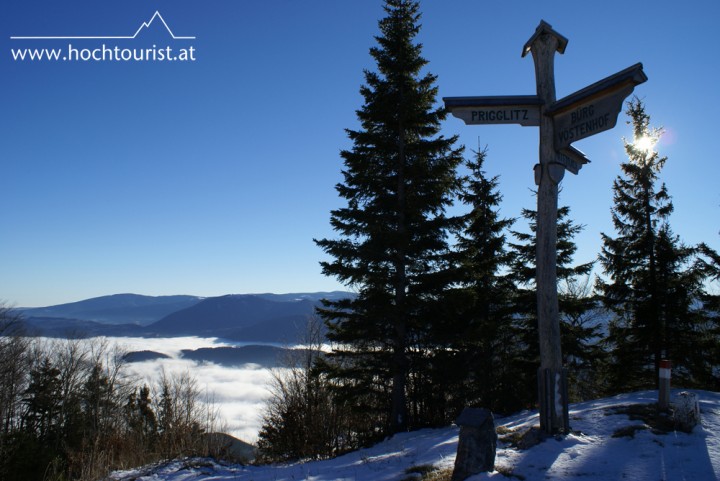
{"points": [[654, 419], [427, 472], [508, 473], [522, 438], [503, 430]]}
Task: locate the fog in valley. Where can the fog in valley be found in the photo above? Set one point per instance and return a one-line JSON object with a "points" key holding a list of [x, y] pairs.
{"points": [[238, 392]]}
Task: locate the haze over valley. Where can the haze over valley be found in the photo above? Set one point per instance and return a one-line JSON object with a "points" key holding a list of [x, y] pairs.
{"points": [[229, 344]]}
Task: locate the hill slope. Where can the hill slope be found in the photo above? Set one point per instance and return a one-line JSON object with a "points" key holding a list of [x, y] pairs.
{"points": [[275, 318], [590, 453], [116, 309], [227, 316]]}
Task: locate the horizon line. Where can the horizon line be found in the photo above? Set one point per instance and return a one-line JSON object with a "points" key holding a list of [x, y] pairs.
{"points": [[143, 25]]}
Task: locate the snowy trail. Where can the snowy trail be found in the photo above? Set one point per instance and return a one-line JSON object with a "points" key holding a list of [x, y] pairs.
{"points": [[590, 453]]}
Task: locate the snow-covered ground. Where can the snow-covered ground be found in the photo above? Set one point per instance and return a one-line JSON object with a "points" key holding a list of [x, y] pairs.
{"points": [[589, 454]]}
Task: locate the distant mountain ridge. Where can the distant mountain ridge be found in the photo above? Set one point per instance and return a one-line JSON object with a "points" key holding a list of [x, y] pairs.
{"points": [[116, 308], [270, 318], [227, 316]]}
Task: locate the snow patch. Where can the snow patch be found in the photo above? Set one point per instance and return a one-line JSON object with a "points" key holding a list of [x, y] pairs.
{"points": [[589, 453]]}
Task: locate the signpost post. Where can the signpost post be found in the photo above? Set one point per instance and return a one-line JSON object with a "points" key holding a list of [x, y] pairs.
{"points": [[584, 113]]}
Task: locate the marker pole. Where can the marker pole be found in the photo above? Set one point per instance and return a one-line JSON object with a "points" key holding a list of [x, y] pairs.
{"points": [[664, 385]]}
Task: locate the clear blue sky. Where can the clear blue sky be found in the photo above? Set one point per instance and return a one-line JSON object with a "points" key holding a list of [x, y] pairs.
{"points": [[212, 176]]}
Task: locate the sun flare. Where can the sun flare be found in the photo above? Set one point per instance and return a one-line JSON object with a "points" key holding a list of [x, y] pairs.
{"points": [[645, 144]]}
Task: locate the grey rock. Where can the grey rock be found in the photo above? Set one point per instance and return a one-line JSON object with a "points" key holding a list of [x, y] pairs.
{"points": [[477, 444], [686, 411]]}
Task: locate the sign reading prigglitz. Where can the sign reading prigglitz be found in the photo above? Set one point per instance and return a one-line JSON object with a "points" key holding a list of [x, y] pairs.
{"points": [[511, 109], [500, 115]]}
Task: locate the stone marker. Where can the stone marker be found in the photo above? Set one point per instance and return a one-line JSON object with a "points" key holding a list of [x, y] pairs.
{"points": [[687, 411], [477, 443]]}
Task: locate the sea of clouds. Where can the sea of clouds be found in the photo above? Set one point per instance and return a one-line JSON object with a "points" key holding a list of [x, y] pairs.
{"points": [[238, 393]]}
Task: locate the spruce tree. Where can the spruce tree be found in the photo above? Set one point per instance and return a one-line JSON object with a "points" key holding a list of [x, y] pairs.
{"points": [[478, 334], [399, 176], [651, 282]]}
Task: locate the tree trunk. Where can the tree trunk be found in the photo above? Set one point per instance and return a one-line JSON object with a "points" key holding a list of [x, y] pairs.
{"points": [[398, 411]]}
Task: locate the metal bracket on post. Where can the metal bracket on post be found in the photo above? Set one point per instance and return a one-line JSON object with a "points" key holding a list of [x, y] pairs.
{"points": [[556, 172]]}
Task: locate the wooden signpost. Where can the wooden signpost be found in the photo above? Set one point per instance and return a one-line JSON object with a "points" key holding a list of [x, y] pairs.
{"points": [[582, 114]]}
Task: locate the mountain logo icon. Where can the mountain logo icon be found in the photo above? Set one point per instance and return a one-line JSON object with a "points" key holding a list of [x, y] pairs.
{"points": [[146, 25], [143, 26]]}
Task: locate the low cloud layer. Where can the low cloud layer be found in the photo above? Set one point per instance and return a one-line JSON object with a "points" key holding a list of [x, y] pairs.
{"points": [[239, 393]]}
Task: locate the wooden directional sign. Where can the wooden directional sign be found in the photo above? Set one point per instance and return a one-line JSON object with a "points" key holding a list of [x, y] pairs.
{"points": [[593, 109], [513, 109], [589, 111]]}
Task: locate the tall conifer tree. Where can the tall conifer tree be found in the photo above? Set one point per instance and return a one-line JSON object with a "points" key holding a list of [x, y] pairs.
{"points": [[652, 283], [399, 177]]}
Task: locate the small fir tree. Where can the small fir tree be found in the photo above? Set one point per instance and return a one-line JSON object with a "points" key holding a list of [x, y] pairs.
{"points": [[141, 420], [478, 333]]}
